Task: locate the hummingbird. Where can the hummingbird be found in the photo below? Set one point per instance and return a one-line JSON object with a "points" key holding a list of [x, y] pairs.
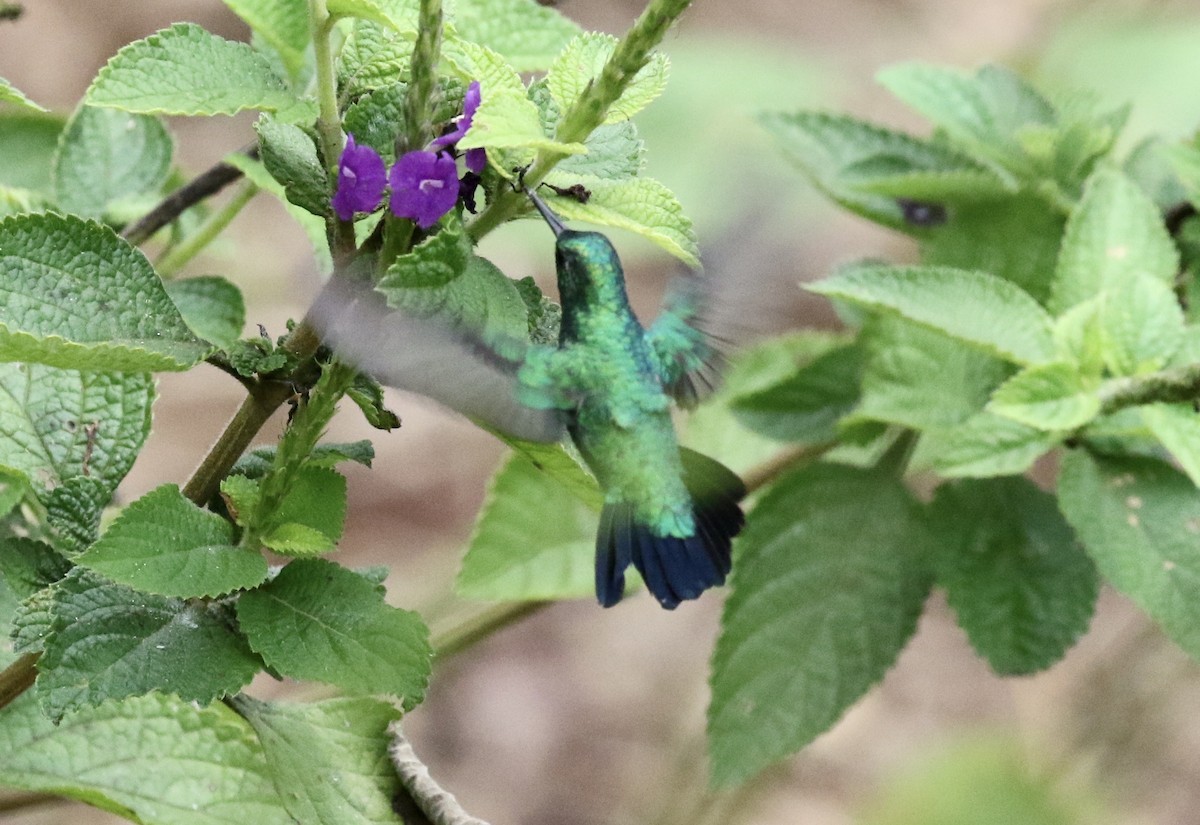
{"points": [[609, 385]]}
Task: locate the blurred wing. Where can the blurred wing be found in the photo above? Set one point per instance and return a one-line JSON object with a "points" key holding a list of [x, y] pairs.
{"points": [[689, 358], [431, 358]]}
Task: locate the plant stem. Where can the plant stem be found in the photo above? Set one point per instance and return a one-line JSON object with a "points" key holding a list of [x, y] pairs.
{"points": [[18, 678], [457, 637], [589, 111], [437, 805], [187, 249], [1171, 386], [329, 123], [760, 476]]}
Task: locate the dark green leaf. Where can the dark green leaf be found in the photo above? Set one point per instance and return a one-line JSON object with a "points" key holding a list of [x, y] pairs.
{"points": [[1021, 585], [290, 156], [828, 582], [319, 621], [806, 405], [329, 760], [73, 511], [255, 463], [1139, 519], [367, 394], [376, 117], [109, 641], [28, 566], [211, 306], [27, 143], [162, 543]]}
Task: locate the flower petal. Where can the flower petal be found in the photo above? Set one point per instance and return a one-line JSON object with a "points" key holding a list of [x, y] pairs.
{"points": [[362, 176], [424, 187]]}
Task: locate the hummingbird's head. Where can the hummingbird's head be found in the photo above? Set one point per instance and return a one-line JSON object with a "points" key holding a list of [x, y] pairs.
{"points": [[587, 266]]}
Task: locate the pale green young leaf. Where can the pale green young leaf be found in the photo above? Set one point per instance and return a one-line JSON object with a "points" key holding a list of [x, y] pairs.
{"points": [[986, 445], [1141, 325], [828, 583], [206, 765], [329, 759], [806, 405], [162, 543], [974, 307], [1115, 235], [319, 621], [1021, 585], [560, 461], [614, 151], [311, 517], [400, 15], [211, 306], [11, 94], [1050, 397], [282, 23], [105, 155], [865, 168], [27, 144], [580, 63], [506, 117], [108, 641], [185, 70], [921, 378], [641, 205], [1015, 237], [1079, 337], [981, 112], [533, 540], [374, 56], [1138, 518], [14, 486], [1177, 427], [290, 155], [56, 424], [78, 296], [528, 35]]}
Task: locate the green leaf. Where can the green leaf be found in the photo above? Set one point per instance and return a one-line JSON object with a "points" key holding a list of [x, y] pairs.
{"points": [[155, 759], [1138, 518], [376, 117], [73, 511], [312, 515], [987, 445], [27, 144], [108, 641], [1016, 237], [374, 56], [32, 622], [1141, 326], [828, 583], [866, 168], [319, 621], [27, 566], [921, 378], [162, 543], [1052, 396], [641, 205], [55, 424], [434, 262], [528, 35], [282, 23], [211, 306], [1177, 427], [983, 113], [582, 60], [533, 540], [806, 405], [11, 94], [329, 760], [1114, 236], [255, 463], [400, 15], [614, 152], [367, 395], [79, 297], [185, 70], [506, 117], [105, 155], [290, 156], [1021, 585], [973, 307]]}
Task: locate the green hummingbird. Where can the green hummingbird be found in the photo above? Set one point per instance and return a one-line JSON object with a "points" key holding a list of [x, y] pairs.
{"points": [[669, 511]]}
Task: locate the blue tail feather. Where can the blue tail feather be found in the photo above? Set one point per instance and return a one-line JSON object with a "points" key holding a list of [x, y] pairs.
{"points": [[674, 568]]}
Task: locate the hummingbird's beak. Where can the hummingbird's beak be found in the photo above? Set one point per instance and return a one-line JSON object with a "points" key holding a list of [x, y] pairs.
{"points": [[556, 224]]}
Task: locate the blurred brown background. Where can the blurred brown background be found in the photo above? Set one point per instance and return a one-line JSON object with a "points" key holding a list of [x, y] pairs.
{"points": [[580, 716]]}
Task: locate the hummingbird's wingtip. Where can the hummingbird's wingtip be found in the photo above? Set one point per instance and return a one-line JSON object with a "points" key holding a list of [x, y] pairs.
{"points": [[556, 224]]}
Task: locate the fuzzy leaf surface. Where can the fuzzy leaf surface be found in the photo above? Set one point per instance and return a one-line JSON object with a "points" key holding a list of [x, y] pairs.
{"points": [[282, 23], [1020, 583], [319, 621], [1177, 427], [987, 445], [329, 759], [533, 540], [1053, 396], [1138, 518], [828, 582], [290, 156], [527, 34], [579, 65], [207, 766], [162, 543], [11, 94], [77, 296], [212, 307]]}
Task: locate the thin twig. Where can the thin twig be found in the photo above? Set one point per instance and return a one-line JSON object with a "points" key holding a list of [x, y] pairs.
{"points": [[763, 474], [438, 804], [18, 678], [31, 799], [204, 185]]}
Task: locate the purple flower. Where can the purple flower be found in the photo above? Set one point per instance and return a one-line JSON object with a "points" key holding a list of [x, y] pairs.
{"points": [[362, 176], [470, 103], [424, 187]]}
